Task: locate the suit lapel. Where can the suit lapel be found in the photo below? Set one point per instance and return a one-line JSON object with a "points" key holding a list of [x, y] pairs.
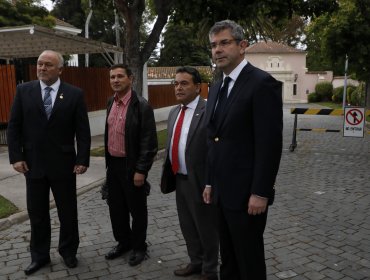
{"points": [[36, 95], [58, 100], [235, 91], [198, 113], [212, 99]]}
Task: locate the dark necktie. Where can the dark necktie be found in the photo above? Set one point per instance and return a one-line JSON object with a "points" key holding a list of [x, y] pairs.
{"points": [[222, 99], [47, 101], [176, 140]]}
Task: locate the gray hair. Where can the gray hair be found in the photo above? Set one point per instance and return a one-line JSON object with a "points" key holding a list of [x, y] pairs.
{"points": [[235, 29], [59, 56]]}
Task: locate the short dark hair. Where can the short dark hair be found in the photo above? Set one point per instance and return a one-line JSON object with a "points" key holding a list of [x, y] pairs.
{"points": [[123, 66], [235, 29], [192, 71]]}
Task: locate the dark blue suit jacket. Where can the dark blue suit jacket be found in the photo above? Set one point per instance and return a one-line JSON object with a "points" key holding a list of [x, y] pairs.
{"points": [[244, 148], [48, 146]]}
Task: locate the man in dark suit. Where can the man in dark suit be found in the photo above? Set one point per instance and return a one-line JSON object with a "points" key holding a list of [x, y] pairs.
{"points": [[46, 117], [185, 166], [244, 121], [130, 148]]}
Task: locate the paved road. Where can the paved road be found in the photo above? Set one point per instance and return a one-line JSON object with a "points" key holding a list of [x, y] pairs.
{"points": [[318, 228]]}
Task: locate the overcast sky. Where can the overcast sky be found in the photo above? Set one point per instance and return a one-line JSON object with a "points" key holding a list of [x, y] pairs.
{"points": [[47, 4]]}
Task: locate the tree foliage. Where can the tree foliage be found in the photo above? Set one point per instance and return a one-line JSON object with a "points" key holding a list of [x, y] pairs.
{"points": [[24, 12], [69, 11], [180, 46], [344, 32]]}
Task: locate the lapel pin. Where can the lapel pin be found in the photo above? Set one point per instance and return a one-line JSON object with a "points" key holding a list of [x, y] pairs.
{"points": [[61, 96]]}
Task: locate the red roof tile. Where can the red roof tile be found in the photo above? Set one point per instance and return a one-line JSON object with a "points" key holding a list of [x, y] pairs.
{"points": [[271, 47], [170, 72]]}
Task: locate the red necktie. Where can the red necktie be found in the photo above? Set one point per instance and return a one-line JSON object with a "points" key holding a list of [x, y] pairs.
{"points": [[176, 140]]}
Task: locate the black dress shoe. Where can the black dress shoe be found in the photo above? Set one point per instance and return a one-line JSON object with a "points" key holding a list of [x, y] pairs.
{"points": [[70, 262], [190, 269], [117, 251], [35, 265], [136, 257]]}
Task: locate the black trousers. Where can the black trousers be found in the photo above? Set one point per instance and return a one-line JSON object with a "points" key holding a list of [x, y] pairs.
{"points": [[126, 200], [242, 245], [38, 205]]}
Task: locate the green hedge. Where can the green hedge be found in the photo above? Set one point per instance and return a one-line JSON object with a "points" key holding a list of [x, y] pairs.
{"points": [[313, 97], [324, 90]]}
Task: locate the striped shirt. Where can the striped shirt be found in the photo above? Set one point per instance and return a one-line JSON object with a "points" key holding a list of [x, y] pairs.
{"points": [[117, 124]]}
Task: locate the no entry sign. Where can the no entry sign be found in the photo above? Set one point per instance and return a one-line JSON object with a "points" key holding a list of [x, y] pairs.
{"points": [[354, 122]]}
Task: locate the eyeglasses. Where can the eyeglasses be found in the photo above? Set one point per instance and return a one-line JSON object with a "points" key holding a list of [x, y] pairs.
{"points": [[224, 43]]}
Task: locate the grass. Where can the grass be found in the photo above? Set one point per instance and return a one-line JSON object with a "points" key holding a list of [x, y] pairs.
{"points": [[331, 105], [161, 136], [6, 208]]}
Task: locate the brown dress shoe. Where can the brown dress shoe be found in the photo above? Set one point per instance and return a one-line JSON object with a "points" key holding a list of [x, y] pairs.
{"points": [[190, 269]]}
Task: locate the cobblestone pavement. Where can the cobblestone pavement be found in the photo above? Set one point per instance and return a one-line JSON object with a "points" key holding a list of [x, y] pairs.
{"points": [[318, 228]]}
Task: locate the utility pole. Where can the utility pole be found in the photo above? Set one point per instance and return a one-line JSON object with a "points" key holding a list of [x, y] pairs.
{"points": [[345, 82], [117, 57], [87, 32]]}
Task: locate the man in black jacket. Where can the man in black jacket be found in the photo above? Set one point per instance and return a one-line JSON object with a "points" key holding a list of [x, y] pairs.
{"points": [[130, 148]]}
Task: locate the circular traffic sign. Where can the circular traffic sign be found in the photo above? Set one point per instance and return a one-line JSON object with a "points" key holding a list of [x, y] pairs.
{"points": [[354, 117]]}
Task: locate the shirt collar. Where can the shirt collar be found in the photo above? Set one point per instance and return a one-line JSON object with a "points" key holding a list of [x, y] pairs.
{"points": [[124, 99], [235, 73], [54, 86], [193, 104]]}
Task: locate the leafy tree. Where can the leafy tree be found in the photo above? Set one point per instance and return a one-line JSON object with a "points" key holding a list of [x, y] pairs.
{"points": [[344, 32], [137, 51], [24, 12], [180, 46], [69, 11]]}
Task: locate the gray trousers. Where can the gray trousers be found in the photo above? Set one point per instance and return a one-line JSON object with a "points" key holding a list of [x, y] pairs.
{"points": [[199, 226]]}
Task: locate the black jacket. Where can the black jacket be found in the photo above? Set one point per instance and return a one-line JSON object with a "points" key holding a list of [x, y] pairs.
{"points": [[141, 136]]}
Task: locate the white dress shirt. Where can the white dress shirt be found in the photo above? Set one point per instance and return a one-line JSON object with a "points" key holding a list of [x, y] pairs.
{"points": [[189, 112], [53, 92]]}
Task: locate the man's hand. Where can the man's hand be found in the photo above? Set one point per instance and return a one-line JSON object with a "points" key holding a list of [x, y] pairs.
{"points": [[257, 205], [207, 194], [20, 166], [139, 179], [79, 169]]}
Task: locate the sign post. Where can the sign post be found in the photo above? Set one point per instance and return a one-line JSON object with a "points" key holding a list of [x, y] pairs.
{"points": [[354, 122]]}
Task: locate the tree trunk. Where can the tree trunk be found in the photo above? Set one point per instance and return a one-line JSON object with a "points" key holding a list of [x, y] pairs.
{"points": [[135, 51]]}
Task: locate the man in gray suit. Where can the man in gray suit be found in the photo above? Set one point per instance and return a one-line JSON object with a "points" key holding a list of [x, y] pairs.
{"points": [[185, 166]]}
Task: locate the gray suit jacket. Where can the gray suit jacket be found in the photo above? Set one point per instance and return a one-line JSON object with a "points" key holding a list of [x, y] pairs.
{"points": [[195, 151]]}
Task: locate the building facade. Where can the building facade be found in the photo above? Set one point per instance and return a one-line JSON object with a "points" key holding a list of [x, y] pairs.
{"points": [[288, 65]]}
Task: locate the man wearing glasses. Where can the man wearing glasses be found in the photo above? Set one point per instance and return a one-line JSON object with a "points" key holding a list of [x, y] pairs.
{"points": [[185, 168], [244, 136]]}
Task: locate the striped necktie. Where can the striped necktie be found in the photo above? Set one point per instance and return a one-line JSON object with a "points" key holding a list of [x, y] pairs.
{"points": [[47, 102]]}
